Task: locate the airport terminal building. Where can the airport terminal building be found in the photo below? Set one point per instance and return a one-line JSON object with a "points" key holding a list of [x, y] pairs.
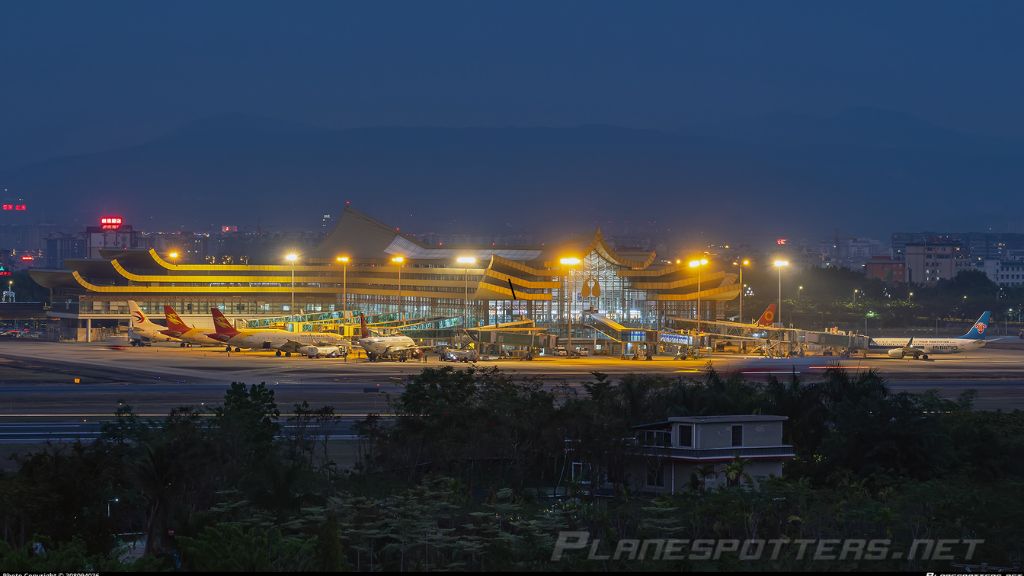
{"points": [[366, 266]]}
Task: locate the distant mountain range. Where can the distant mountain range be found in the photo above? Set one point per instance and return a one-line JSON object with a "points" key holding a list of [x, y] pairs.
{"points": [[864, 171]]}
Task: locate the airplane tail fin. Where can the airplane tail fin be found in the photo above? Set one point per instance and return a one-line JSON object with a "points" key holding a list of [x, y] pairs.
{"points": [[977, 332], [221, 324], [138, 316], [174, 322], [364, 332], [768, 316]]}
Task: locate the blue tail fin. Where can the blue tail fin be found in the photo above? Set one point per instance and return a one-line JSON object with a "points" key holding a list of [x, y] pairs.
{"points": [[977, 332]]}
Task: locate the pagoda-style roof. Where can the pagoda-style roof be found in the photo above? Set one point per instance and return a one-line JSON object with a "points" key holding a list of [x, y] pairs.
{"points": [[360, 236]]}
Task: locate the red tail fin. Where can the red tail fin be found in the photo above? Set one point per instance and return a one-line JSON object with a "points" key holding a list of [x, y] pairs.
{"points": [[174, 322], [767, 317], [221, 323], [364, 332]]}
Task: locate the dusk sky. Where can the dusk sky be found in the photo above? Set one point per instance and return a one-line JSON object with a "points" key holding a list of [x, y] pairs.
{"points": [[83, 77]]}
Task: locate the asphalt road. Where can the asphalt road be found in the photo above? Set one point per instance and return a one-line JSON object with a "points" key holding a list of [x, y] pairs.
{"points": [[39, 398]]}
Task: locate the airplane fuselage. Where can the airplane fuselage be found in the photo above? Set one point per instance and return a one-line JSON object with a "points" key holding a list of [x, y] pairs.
{"points": [[284, 340], [150, 331], [928, 345], [381, 346], [197, 337]]}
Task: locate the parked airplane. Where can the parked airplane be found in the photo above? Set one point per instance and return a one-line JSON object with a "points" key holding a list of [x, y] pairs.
{"points": [[763, 332], [189, 336], [764, 321], [398, 346], [142, 330], [282, 341], [922, 347]]}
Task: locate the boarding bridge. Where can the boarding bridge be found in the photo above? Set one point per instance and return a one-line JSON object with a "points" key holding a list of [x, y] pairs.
{"points": [[346, 322], [621, 336], [780, 340]]}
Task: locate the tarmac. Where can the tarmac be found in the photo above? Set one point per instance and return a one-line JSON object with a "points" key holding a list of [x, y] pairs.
{"points": [[60, 391]]}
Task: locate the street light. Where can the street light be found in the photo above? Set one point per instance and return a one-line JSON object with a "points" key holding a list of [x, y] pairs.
{"points": [[399, 261], [344, 260], [855, 291], [741, 264], [173, 255], [799, 292], [114, 500], [698, 264], [780, 264], [292, 257], [569, 262], [467, 261]]}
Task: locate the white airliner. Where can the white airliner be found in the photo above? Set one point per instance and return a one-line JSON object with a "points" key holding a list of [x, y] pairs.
{"points": [[142, 330], [282, 341], [398, 346], [922, 347]]}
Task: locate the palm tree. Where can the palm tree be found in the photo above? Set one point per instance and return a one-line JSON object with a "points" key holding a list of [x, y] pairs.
{"points": [[735, 472]]}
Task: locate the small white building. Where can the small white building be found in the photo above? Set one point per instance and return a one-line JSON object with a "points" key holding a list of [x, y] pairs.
{"points": [[687, 451]]}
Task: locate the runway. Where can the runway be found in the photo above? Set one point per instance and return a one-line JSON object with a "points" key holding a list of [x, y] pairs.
{"points": [[39, 396]]}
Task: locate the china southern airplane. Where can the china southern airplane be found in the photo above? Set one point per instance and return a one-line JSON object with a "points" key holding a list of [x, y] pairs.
{"points": [[920, 348]]}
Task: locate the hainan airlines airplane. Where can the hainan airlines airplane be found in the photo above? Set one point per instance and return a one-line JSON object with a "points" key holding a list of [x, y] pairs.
{"points": [[282, 341], [142, 330], [922, 347], [398, 346], [764, 321], [188, 335]]}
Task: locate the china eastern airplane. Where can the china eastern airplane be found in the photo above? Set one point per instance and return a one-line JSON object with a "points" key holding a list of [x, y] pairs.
{"points": [[188, 335], [922, 347], [398, 346], [141, 329], [282, 341]]}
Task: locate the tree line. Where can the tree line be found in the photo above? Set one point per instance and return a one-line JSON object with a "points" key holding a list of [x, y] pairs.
{"points": [[471, 475]]}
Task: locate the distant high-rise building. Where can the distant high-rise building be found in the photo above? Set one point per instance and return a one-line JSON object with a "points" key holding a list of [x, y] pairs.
{"points": [[929, 262]]}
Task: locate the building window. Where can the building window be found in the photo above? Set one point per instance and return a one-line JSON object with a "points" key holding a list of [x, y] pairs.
{"points": [[685, 435], [655, 438], [656, 474], [737, 435]]}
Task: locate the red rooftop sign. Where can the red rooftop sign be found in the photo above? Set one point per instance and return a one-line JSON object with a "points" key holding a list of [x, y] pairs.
{"points": [[110, 222]]}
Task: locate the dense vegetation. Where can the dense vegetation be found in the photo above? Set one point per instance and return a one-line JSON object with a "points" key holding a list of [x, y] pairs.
{"points": [[462, 478]]}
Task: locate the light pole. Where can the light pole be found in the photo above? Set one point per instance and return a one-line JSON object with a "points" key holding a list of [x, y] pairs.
{"points": [[467, 261], [114, 500], [698, 264], [779, 265], [569, 262], [292, 257], [855, 291], [741, 264], [173, 255], [344, 260], [799, 292], [399, 261]]}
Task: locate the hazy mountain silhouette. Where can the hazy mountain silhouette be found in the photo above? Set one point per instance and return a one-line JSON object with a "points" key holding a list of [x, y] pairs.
{"points": [[865, 171]]}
